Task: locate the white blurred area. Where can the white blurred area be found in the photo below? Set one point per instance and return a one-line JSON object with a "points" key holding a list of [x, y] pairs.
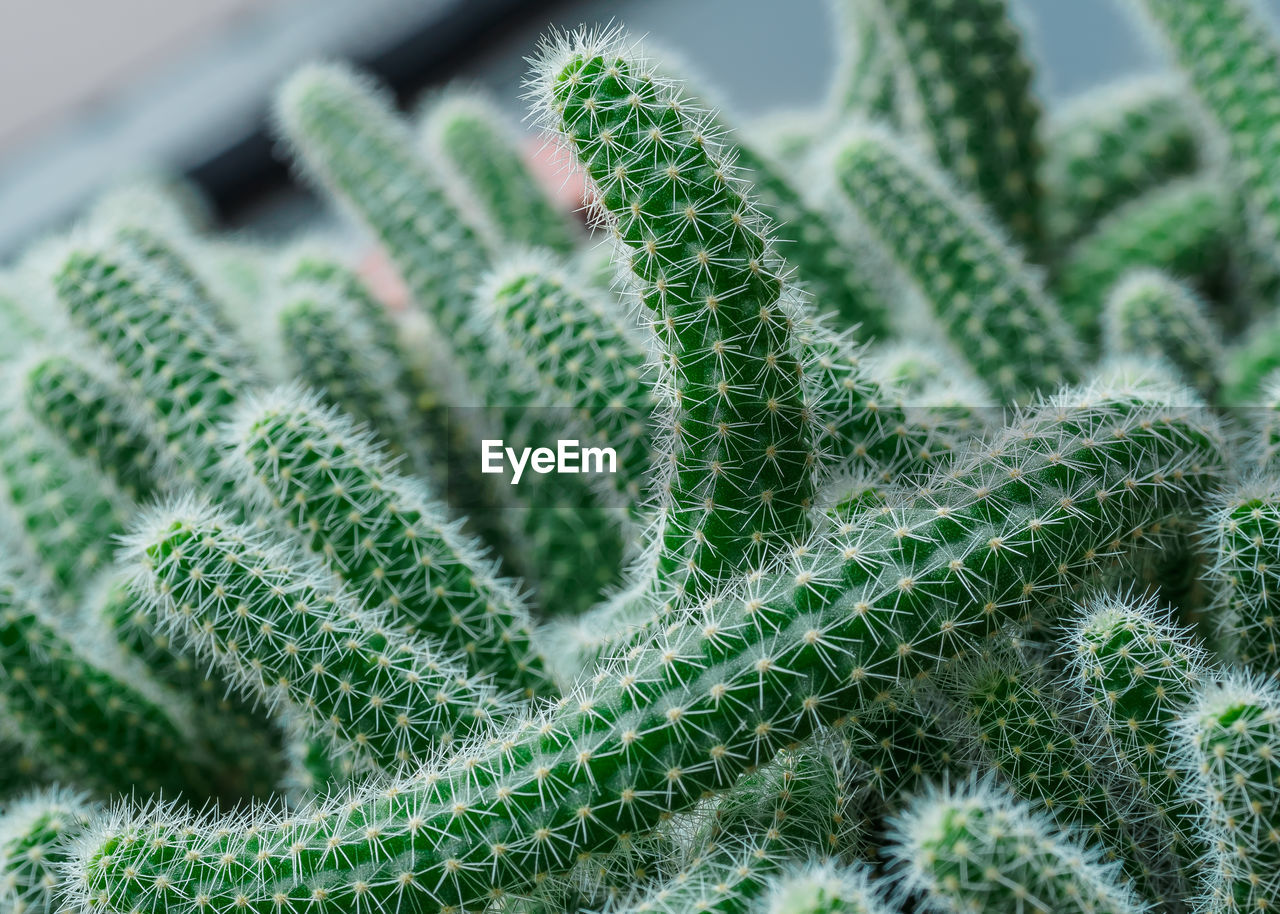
{"points": [[58, 58], [95, 90]]}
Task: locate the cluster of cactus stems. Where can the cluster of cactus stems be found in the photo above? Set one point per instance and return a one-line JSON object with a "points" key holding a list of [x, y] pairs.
{"points": [[938, 568]]}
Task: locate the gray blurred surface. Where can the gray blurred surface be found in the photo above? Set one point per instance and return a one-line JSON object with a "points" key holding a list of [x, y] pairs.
{"points": [[91, 90]]}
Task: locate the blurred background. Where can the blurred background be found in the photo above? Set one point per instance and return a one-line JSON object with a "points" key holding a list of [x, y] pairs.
{"points": [[96, 90]]}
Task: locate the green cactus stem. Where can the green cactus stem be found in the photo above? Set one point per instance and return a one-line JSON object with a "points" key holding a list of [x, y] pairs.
{"points": [[1243, 531], [88, 717], [1110, 146], [1232, 738], [396, 549], [34, 835], [1151, 315], [975, 847], [96, 418], [1186, 229], [989, 302], [274, 622], [480, 144], [1230, 56]]}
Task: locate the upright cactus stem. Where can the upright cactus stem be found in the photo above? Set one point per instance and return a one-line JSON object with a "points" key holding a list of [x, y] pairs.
{"points": [[1230, 55], [963, 91], [1136, 671], [480, 144], [988, 301], [342, 343], [97, 419], [1025, 730], [348, 139], [397, 550], [180, 365], [275, 623], [1243, 533], [740, 459], [687, 711], [581, 354], [976, 848], [1153, 316], [1232, 735]]}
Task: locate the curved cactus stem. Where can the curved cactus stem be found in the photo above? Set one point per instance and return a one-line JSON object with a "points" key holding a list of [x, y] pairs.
{"points": [[65, 514], [1025, 730], [1243, 530], [179, 361], [1136, 670], [1110, 146], [579, 354], [740, 459], [686, 712]]}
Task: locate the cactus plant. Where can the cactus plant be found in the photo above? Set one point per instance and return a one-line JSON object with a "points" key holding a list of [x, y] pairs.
{"points": [[1242, 532], [1230, 58], [961, 87], [1185, 229], [895, 601], [34, 834]]}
